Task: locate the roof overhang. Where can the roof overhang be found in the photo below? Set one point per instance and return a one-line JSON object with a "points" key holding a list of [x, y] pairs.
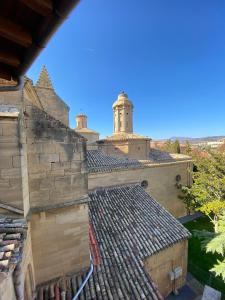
{"points": [[25, 28]]}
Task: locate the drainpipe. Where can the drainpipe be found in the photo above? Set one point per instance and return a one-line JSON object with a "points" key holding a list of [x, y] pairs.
{"points": [[11, 88], [85, 280]]}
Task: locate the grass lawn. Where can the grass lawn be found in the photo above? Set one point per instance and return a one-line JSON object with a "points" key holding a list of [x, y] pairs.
{"points": [[200, 262]]}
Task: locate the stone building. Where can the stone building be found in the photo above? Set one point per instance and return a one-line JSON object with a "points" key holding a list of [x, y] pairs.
{"points": [[126, 157], [43, 180], [90, 135], [60, 202], [158, 175], [50, 101], [124, 142], [129, 231]]}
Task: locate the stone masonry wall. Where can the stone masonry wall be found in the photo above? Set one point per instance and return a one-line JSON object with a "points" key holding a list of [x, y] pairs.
{"points": [[161, 182], [10, 163], [160, 264], [56, 154], [133, 149], [60, 242], [53, 105]]}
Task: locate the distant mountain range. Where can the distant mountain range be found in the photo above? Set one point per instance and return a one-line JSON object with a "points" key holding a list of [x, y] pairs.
{"points": [[198, 140]]}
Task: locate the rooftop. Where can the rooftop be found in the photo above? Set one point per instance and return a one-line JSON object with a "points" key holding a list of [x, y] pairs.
{"points": [[98, 161], [158, 155], [12, 236], [128, 226], [122, 136]]}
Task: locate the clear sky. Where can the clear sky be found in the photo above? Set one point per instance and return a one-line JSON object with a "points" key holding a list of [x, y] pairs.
{"points": [[167, 55]]}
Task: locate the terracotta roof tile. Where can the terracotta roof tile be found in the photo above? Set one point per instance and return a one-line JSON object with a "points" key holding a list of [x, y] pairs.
{"points": [[128, 226], [12, 236], [97, 161]]}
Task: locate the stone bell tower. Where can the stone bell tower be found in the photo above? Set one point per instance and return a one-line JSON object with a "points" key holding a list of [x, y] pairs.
{"points": [[81, 121], [122, 110]]}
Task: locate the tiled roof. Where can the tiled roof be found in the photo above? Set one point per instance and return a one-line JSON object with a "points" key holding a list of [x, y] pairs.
{"points": [[129, 216], [128, 226], [97, 161], [158, 155], [122, 136], [85, 130], [12, 235]]}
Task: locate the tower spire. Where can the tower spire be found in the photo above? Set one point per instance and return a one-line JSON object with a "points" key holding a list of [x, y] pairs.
{"points": [[44, 79]]}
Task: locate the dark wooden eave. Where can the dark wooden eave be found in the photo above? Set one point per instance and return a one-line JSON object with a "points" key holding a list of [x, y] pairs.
{"points": [[25, 28]]}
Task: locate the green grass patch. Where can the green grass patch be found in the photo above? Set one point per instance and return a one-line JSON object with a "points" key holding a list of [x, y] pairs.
{"points": [[200, 262]]}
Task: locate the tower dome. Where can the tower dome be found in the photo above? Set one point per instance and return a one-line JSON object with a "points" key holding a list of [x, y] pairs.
{"points": [[122, 99], [122, 110]]}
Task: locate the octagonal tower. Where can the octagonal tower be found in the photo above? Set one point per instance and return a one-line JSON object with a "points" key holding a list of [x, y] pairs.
{"points": [[123, 110]]}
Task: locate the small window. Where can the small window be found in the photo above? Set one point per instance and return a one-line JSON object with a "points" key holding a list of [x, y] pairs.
{"points": [[144, 184]]}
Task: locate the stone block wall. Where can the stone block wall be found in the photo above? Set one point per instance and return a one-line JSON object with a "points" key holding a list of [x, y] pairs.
{"points": [[53, 105], [133, 149], [60, 242], [160, 264], [10, 162], [161, 180], [7, 290], [12, 98], [56, 160]]}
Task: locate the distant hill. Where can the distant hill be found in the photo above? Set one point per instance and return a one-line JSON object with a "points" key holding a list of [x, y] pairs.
{"points": [[198, 140]]}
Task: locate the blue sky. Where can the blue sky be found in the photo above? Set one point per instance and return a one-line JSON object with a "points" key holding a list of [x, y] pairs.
{"points": [[167, 55]]}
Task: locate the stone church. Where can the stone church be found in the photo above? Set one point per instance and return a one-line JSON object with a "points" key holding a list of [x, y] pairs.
{"points": [[127, 157], [85, 224]]}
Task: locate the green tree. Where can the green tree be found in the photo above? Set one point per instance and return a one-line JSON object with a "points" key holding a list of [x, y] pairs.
{"points": [[176, 146], [188, 149], [207, 193], [172, 147], [215, 243], [168, 146]]}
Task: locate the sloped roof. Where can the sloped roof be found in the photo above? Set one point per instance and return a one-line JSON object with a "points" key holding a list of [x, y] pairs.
{"points": [[124, 136], [129, 216], [128, 225], [12, 236], [97, 161], [85, 130], [158, 155]]}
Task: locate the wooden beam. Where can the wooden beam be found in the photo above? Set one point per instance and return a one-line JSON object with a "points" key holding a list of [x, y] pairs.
{"points": [[15, 32], [42, 7], [9, 58], [5, 73]]}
